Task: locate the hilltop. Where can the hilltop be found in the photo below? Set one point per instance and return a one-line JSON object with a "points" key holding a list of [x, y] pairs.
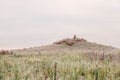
{"points": [[71, 45]]}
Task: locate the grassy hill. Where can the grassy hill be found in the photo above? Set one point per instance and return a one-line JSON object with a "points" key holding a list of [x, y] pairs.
{"points": [[68, 45]]}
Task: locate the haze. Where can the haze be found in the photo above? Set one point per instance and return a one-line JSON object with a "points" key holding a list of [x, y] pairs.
{"points": [[26, 23]]}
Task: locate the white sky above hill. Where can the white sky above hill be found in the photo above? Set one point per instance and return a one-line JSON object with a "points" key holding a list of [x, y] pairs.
{"points": [[26, 23]]}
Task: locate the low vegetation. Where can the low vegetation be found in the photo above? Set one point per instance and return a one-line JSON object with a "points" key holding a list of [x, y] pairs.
{"points": [[5, 52], [88, 66]]}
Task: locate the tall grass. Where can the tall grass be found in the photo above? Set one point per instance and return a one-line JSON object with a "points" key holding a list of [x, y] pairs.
{"points": [[88, 66]]}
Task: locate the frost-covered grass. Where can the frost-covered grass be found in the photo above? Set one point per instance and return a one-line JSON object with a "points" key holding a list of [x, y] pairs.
{"points": [[69, 67]]}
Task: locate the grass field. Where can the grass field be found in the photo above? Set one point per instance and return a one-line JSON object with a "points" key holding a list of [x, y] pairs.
{"points": [[88, 66]]}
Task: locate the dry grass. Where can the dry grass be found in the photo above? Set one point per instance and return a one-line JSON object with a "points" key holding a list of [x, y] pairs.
{"points": [[87, 66]]}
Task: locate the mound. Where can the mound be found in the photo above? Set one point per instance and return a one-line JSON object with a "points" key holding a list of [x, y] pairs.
{"points": [[68, 45]]}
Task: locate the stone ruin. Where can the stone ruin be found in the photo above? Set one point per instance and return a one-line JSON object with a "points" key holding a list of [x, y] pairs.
{"points": [[70, 42]]}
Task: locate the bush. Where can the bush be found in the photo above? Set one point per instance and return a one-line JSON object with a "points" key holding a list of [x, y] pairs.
{"points": [[6, 52]]}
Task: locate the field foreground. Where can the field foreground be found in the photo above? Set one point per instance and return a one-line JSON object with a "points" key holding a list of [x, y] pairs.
{"points": [[88, 66]]}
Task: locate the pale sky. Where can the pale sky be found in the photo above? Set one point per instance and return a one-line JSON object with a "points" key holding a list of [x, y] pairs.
{"points": [[27, 23]]}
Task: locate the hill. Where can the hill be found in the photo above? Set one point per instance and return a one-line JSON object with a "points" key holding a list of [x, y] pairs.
{"points": [[70, 45]]}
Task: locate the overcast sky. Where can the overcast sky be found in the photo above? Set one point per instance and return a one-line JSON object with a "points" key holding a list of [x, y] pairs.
{"points": [[26, 23]]}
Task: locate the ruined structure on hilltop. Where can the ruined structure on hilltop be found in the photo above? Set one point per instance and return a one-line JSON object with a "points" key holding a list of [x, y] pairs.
{"points": [[70, 42]]}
